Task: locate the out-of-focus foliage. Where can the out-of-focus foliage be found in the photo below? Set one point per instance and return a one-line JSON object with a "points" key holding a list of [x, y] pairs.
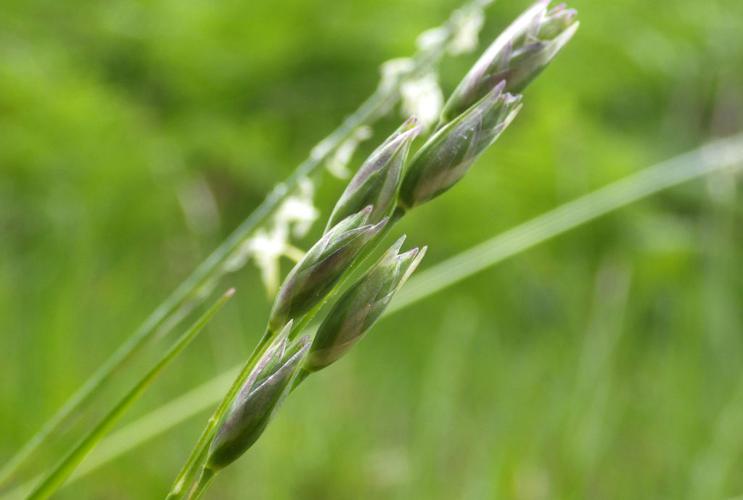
{"points": [[134, 135]]}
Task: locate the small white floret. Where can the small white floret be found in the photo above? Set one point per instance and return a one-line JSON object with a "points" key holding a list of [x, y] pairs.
{"points": [[422, 98], [467, 31], [338, 163], [394, 70]]}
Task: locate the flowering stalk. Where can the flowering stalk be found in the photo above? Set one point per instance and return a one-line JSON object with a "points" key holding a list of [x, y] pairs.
{"points": [[189, 293], [440, 163]]}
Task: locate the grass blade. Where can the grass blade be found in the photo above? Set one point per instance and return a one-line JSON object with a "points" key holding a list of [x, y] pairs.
{"points": [[713, 157], [143, 429], [62, 471]]}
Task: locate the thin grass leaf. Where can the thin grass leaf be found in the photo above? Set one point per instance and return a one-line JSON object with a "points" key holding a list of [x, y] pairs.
{"points": [[713, 157], [56, 478], [142, 430]]}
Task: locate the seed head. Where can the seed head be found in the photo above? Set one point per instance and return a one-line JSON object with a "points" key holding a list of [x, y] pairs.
{"points": [[258, 400], [447, 156], [517, 56], [377, 181], [321, 268], [360, 307]]}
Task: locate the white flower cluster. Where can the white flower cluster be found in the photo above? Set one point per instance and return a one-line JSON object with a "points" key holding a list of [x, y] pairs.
{"points": [[338, 163], [268, 245], [422, 98], [467, 26], [394, 71], [432, 39], [421, 94]]}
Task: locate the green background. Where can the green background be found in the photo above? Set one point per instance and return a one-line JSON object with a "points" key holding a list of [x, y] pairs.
{"points": [[134, 136]]}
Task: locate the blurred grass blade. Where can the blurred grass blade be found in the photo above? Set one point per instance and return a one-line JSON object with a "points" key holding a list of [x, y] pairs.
{"points": [[710, 158], [187, 295], [62, 471], [713, 157], [143, 429]]}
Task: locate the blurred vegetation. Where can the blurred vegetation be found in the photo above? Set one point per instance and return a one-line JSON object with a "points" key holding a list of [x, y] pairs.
{"points": [[134, 136]]}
